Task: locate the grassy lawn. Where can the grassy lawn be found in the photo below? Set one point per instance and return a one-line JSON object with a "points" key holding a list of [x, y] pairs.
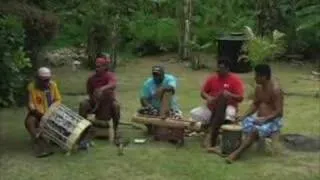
{"points": [[155, 160]]}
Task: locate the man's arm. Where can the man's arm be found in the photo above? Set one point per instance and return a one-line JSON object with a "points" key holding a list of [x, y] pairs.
{"points": [[172, 85], [238, 91], [254, 106], [112, 83], [144, 102], [31, 106], [206, 96], [145, 95], [57, 95], [205, 91]]}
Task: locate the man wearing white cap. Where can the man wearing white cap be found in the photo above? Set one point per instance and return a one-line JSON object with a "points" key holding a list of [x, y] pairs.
{"points": [[42, 93]]}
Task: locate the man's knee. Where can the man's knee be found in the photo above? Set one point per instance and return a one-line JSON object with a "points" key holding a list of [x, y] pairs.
{"points": [[85, 104], [31, 121], [200, 114], [116, 105], [84, 107], [31, 124]]}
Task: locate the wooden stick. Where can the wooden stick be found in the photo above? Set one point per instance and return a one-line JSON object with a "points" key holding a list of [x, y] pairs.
{"points": [[111, 131]]}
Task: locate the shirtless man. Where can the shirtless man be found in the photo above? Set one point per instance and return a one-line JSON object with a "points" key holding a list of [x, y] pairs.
{"points": [[264, 117]]}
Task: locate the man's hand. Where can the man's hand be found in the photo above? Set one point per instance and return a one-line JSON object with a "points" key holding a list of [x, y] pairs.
{"points": [[159, 92], [37, 113], [227, 94], [97, 93], [260, 120], [239, 119], [210, 100], [149, 106]]}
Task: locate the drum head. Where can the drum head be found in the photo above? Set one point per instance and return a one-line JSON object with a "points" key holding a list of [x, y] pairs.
{"points": [[231, 127]]}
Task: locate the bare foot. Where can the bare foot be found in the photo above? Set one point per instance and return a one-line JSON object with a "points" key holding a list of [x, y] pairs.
{"points": [[213, 150], [231, 158], [205, 142]]}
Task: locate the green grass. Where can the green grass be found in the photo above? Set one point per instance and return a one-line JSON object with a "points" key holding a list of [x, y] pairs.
{"points": [[156, 160]]}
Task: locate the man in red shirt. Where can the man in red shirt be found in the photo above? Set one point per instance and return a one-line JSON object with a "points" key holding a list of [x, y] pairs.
{"points": [[222, 91], [102, 100]]}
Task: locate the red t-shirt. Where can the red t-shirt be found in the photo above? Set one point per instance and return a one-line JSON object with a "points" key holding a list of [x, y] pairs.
{"points": [[215, 85], [97, 81]]}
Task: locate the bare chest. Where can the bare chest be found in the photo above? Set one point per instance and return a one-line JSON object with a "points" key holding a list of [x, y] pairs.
{"points": [[265, 97]]}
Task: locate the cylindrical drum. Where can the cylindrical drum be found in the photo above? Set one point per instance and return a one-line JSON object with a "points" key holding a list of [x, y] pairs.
{"points": [[63, 126], [231, 138], [233, 46]]}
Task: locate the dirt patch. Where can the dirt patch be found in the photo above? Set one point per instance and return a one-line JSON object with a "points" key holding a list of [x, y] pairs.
{"points": [[299, 142]]}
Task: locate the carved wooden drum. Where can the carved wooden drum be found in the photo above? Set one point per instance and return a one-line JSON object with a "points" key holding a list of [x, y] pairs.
{"points": [[231, 138]]}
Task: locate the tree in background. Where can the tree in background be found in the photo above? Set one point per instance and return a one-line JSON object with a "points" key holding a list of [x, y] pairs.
{"points": [[13, 61], [40, 28]]}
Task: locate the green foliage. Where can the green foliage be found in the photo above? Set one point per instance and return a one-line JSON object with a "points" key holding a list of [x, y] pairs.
{"points": [[13, 61], [156, 21], [40, 27], [262, 49], [212, 18], [162, 31], [302, 24]]}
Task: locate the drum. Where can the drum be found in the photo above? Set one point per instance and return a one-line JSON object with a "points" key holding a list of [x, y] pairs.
{"points": [[231, 138], [63, 126]]}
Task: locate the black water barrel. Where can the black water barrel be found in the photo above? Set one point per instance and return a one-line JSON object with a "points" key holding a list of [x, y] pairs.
{"points": [[230, 46]]}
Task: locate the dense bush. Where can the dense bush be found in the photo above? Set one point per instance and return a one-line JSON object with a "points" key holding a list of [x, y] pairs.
{"points": [[156, 22], [302, 23], [40, 27], [162, 31], [13, 61]]}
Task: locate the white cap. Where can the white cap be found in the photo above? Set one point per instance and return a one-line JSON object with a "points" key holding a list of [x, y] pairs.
{"points": [[44, 72]]}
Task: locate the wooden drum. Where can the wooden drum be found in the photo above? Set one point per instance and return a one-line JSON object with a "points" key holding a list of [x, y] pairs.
{"points": [[63, 126], [231, 138]]}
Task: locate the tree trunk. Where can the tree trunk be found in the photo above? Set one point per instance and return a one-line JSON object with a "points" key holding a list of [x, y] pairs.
{"points": [[114, 41], [184, 39], [268, 17], [180, 16], [96, 43], [91, 48]]}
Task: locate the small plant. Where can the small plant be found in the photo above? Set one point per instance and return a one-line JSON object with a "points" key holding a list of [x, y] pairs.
{"points": [[262, 49], [196, 49]]}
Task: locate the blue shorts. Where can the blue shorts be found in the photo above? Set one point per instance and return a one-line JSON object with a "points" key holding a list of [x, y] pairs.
{"points": [[264, 130]]}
